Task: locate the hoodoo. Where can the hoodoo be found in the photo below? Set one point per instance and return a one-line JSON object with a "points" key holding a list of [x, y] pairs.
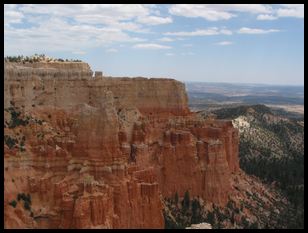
{"points": [[84, 151]]}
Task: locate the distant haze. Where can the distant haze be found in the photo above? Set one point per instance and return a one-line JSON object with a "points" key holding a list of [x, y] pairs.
{"points": [[241, 43]]}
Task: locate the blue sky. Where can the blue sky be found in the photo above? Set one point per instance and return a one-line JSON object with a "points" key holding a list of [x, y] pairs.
{"points": [[246, 43]]}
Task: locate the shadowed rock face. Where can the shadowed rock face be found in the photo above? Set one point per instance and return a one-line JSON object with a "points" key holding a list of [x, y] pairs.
{"points": [[107, 149]]}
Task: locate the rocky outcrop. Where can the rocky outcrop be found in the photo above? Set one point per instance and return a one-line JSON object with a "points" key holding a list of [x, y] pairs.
{"points": [[67, 85], [101, 152], [203, 225]]}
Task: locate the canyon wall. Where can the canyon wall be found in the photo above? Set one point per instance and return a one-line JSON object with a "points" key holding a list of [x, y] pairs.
{"points": [[67, 85], [102, 152]]}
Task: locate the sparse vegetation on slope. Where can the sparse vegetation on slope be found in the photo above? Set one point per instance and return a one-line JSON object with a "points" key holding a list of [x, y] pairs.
{"points": [[26, 198], [272, 148], [16, 118], [253, 205]]}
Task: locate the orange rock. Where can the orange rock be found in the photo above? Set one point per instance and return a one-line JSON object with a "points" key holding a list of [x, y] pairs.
{"points": [[111, 148]]}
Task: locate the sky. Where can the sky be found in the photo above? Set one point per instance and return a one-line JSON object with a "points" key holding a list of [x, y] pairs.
{"points": [[238, 43]]}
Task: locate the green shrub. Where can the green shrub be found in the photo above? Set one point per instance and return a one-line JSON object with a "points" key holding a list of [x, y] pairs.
{"points": [[230, 205], [13, 203], [210, 218], [26, 198], [27, 205], [195, 208], [16, 120], [20, 196], [186, 200], [176, 198], [10, 142]]}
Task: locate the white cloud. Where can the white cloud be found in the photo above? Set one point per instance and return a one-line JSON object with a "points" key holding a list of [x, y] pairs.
{"points": [[245, 30], [68, 28], [131, 26], [246, 8], [11, 15], [284, 10], [76, 27], [115, 15], [225, 32], [198, 10], [112, 50], [154, 20], [223, 43], [166, 39], [151, 46], [215, 12], [111, 15], [58, 35], [169, 54], [201, 32], [266, 17], [291, 10], [91, 13]]}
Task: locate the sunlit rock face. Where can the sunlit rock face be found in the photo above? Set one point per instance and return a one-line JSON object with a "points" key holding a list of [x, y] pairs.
{"points": [[102, 152]]}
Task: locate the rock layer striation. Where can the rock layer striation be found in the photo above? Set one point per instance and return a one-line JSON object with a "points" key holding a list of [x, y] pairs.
{"points": [[102, 152]]}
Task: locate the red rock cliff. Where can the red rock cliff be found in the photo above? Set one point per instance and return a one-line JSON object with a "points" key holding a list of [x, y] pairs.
{"points": [[101, 152]]}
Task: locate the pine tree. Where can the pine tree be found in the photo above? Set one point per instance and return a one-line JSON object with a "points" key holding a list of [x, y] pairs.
{"points": [[176, 198], [195, 207], [186, 200]]}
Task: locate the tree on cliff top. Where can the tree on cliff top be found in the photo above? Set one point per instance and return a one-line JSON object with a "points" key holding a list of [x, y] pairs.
{"points": [[37, 58]]}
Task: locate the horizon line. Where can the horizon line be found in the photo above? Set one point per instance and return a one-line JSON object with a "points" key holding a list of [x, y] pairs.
{"points": [[248, 83]]}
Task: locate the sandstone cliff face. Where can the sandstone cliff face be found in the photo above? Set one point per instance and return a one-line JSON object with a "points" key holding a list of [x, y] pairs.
{"points": [[102, 152], [67, 85]]}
